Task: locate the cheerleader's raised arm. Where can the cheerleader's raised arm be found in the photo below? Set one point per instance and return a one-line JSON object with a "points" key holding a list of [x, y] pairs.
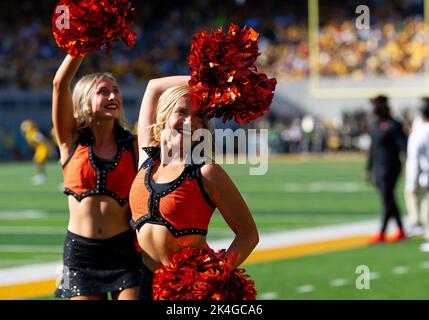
{"points": [[148, 109], [62, 105], [98, 157], [172, 200]]}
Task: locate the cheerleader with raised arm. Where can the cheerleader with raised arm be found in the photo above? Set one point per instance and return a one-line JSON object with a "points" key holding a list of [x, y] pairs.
{"points": [[99, 159], [173, 198]]}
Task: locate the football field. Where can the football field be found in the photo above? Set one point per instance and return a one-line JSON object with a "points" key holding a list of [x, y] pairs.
{"points": [[296, 193]]}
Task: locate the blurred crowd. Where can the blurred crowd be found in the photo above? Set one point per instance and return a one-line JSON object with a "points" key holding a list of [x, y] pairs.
{"points": [[391, 49], [311, 134], [302, 134], [395, 45]]}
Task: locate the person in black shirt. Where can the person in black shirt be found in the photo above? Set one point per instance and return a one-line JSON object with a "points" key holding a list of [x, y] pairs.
{"points": [[383, 168]]}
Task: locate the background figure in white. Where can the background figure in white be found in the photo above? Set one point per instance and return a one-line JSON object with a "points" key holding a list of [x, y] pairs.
{"points": [[413, 169], [417, 173]]}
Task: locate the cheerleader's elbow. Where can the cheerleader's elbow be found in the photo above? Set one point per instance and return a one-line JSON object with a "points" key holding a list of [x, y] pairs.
{"points": [[255, 239]]}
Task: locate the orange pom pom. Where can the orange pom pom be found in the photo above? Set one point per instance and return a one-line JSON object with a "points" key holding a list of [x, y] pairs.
{"points": [[84, 26], [224, 76], [201, 274]]}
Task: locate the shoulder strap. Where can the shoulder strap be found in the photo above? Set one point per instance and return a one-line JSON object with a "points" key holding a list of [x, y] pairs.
{"points": [[153, 153], [201, 185], [124, 137], [84, 138]]}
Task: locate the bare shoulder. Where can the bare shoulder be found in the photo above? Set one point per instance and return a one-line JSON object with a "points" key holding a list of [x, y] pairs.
{"points": [[67, 146], [220, 187], [212, 172]]}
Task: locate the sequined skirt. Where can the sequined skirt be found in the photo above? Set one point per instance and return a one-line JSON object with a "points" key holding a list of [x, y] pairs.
{"points": [[146, 282], [93, 266]]}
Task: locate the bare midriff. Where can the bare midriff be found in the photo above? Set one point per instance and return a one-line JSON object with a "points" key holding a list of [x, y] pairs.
{"points": [[158, 244], [98, 217]]}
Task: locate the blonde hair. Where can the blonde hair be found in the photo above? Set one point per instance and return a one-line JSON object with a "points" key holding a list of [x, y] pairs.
{"points": [[82, 95], [166, 103]]}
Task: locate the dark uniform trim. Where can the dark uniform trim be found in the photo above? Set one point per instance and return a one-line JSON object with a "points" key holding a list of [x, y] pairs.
{"points": [[191, 172], [124, 140]]}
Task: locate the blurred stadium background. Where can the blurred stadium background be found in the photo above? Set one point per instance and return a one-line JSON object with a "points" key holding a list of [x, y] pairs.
{"points": [[327, 70]]}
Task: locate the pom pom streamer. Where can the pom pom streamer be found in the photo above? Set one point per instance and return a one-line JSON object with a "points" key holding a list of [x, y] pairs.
{"points": [[224, 76], [201, 274], [83, 26]]}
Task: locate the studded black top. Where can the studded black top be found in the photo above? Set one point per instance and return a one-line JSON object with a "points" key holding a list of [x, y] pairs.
{"points": [[182, 206], [85, 176]]}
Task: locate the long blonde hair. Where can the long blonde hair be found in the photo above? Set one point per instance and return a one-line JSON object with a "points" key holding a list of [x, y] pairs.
{"points": [[166, 103], [82, 95]]}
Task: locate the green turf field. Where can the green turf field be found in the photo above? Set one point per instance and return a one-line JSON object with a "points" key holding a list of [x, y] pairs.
{"points": [[293, 194], [398, 271]]}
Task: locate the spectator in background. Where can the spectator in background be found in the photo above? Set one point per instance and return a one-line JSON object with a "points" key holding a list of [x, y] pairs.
{"points": [[383, 168], [396, 45], [415, 167], [294, 136], [42, 149], [417, 173]]}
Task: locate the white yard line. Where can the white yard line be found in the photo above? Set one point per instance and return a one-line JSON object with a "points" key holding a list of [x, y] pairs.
{"points": [[30, 273], [268, 296], [308, 235], [400, 270], [30, 248], [33, 230], [306, 288], [339, 282], [27, 214], [374, 276], [324, 186], [272, 240]]}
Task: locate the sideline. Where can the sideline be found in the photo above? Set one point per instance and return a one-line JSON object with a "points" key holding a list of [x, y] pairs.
{"points": [[34, 281]]}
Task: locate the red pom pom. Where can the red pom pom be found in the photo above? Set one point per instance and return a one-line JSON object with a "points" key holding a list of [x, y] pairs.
{"points": [[224, 77], [92, 24], [201, 274]]}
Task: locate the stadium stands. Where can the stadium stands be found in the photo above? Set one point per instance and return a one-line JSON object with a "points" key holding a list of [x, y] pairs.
{"points": [[395, 46]]}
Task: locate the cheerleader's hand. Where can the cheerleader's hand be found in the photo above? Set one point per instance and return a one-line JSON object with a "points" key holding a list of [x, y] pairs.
{"points": [[231, 261]]}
